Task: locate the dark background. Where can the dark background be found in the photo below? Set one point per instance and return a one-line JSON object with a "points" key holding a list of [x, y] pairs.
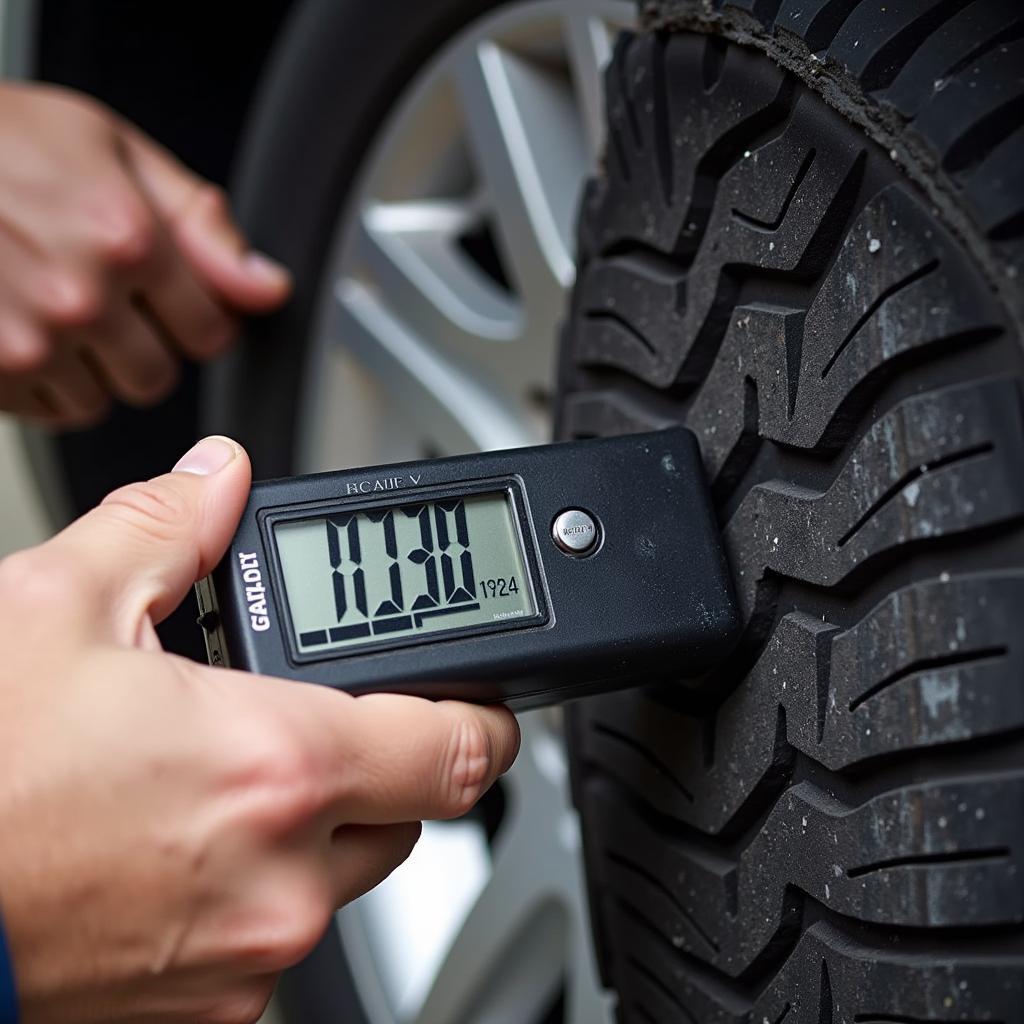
{"points": [[185, 71]]}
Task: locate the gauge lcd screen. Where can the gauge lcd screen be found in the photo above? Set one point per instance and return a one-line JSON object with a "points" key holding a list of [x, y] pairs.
{"points": [[371, 575]]}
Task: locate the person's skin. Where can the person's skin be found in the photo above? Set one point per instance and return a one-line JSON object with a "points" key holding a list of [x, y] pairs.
{"points": [[172, 836], [115, 261]]}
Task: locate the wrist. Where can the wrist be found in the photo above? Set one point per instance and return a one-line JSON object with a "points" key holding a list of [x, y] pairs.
{"points": [[8, 996]]}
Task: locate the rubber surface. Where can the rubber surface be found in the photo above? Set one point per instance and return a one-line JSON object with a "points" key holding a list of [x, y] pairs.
{"points": [[838, 835]]}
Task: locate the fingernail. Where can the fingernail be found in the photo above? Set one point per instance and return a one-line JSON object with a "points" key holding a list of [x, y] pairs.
{"points": [[209, 456], [260, 265]]}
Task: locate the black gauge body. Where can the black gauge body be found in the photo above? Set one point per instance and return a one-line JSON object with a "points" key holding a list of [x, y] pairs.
{"points": [[529, 576]]}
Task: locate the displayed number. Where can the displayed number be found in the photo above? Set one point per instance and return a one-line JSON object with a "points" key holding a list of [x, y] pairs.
{"points": [[346, 526], [499, 587], [373, 556], [453, 541], [395, 604], [424, 555]]}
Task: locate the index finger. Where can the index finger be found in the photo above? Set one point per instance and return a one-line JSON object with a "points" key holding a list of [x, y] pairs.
{"points": [[391, 758]]}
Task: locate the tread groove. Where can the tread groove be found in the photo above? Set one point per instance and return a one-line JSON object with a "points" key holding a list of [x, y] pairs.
{"points": [[926, 664], [897, 286], [825, 1007], [984, 135], [827, 23], [886, 64], [908, 478], [653, 880], [947, 857], [610, 316], [643, 752], [774, 225], [666, 992], [1010, 34], [756, 130]]}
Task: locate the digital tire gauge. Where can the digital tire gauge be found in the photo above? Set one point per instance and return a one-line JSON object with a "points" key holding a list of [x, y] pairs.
{"points": [[528, 576]]}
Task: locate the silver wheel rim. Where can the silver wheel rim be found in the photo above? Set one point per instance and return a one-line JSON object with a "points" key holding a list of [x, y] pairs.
{"points": [[435, 334]]}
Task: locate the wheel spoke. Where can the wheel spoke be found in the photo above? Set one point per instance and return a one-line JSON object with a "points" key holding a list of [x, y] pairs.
{"points": [[454, 408], [528, 143], [586, 1002], [589, 46], [408, 251], [507, 961]]}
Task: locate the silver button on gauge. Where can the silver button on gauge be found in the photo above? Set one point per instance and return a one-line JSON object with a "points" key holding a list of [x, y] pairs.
{"points": [[574, 531]]}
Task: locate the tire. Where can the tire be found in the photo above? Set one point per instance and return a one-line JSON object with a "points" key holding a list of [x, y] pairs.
{"points": [[806, 244]]}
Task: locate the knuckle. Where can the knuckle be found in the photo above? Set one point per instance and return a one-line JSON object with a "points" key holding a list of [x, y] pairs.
{"points": [[280, 774], [468, 766], [211, 200], [153, 508], [300, 932], [24, 348], [88, 111], [35, 579], [72, 298], [125, 231], [289, 928]]}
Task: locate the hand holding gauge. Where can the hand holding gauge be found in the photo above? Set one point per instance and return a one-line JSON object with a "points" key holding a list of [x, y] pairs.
{"points": [[203, 824]]}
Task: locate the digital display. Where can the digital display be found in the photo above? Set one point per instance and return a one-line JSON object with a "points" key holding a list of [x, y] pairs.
{"points": [[368, 575]]}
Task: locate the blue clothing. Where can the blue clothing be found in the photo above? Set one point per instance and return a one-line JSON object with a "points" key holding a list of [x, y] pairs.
{"points": [[8, 998]]}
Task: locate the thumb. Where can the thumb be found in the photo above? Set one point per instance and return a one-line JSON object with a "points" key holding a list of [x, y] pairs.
{"points": [[147, 543], [202, 227]]}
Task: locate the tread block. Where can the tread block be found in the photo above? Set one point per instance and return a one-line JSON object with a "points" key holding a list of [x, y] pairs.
{"points": [[928, 855], [956, 45], [936, 465], [830, 976], [923, 669], [994, 185], [934, 78], [962, 122], [644, 313], [678, 181], [897, 289]]}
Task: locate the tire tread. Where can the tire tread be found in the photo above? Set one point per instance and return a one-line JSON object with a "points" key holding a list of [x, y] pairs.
{"points": [[824, 828]]}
